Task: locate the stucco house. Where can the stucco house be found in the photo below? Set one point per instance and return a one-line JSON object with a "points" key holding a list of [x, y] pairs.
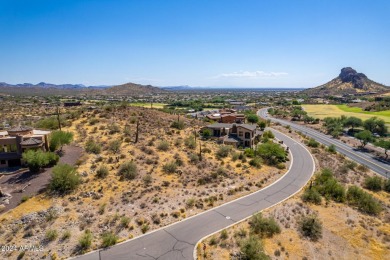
{"points": [[17, 140], [244, 135]]}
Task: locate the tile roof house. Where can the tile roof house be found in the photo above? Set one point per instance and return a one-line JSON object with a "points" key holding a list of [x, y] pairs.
{"points": [[244, 135], [17, 140]]}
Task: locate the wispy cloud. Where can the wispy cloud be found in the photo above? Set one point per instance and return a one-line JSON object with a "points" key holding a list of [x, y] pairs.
{"points": [[251, 74]]}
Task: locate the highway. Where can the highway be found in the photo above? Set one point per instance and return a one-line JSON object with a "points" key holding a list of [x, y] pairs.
{"points": [[352, 153], [179, 240]]}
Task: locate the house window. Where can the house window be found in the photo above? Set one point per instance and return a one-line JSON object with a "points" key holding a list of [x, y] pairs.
{"points": [[240, 133], [2, 162], [247, 135]]}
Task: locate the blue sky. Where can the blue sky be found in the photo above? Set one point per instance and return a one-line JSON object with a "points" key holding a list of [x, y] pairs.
{"points": [[300, 43]]}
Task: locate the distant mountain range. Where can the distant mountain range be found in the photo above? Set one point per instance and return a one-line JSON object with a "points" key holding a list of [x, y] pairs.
{"points": [[349, 81], [46, 89], [50, 85]]}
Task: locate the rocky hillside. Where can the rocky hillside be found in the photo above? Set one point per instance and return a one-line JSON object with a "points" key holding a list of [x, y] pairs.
{"points": [[348, 82], [132, 89]]}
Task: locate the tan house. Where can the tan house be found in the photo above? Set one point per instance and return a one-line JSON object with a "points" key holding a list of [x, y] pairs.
{"points": [[15, 141], [244, 135]]}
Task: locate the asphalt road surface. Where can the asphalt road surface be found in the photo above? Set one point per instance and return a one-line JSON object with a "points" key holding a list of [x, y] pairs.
{"points": [[352, 153], [178, 241]]}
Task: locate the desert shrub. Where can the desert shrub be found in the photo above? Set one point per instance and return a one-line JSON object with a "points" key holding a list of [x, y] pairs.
{"points": [[128, 170], [249, 152], [255, 162], [190, 142], [268, 134], [281, 166], [213, 241], [310, 227], [102, 172], [92, 147], [266, 227], [272, 153], [24, 198], [241, 233], [113, 129], [170, 167], [50, 123], [363, 201], [190, 203], [223, 151], [235, 156], [194, 158], [64, 179], [109, 239], [114, 146], [38, 159], [312, 196], [147, 179], [66, 235], [350, 165], [178, 125], [85, 240], [51, 235], [163, 146], [144, 228], [329, 187], [224, 234], [386, 186], [93, 121], [332, 148], [373, 183], [313, 143], [252, 249]]}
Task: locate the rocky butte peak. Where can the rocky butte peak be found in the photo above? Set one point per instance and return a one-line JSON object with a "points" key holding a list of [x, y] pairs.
{"points": [[350, 75], [349, 82]]}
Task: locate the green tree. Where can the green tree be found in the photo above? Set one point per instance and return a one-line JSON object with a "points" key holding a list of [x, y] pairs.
{"points": [[353, 122], [364, 137], [298, 112], [272, 153], [262, 124], [206, 133], [64, 179], [252, 118], [59, 139], [375, 125], [37, 159], [385, 144]]}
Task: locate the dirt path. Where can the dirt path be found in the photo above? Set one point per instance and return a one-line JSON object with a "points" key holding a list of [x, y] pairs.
{"points": [[13, 184]]}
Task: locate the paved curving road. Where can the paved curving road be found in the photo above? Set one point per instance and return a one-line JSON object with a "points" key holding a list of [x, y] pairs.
{"points": [[178, 241], [370, 161]]}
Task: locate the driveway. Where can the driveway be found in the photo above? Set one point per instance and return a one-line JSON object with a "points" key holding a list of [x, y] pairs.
{"points": [[34, 183]]}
